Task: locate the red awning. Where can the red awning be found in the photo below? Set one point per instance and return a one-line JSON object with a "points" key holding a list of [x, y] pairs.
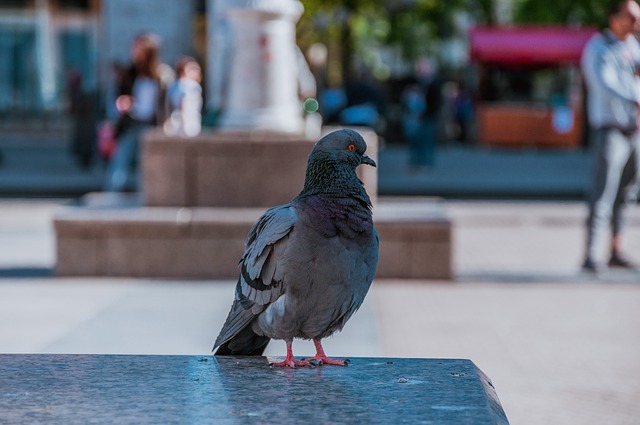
{"points": [[528, 45]]}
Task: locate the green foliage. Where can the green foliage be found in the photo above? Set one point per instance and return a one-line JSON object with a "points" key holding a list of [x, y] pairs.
{"points": [[564, 12], [354, 30], [349, 28]]}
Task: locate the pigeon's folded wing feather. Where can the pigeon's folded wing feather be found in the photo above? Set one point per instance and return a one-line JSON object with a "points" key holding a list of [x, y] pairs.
{"points": [[258, 284], [258, 281]]}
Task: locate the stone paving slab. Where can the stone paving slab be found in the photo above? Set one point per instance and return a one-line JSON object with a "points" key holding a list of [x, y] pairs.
{"points": [[530, 241], [556, 352]]}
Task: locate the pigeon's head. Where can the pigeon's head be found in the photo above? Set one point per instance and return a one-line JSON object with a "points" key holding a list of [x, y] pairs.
{"points": [[343, 146]]}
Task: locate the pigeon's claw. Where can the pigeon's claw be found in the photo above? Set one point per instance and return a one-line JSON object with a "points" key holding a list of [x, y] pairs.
{"points": [[290, 361], [337, 362], [319, 359], [322, 359]]}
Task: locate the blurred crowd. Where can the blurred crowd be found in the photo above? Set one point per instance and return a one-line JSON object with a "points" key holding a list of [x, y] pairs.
{"points": [[422, 110], [141, 94]]}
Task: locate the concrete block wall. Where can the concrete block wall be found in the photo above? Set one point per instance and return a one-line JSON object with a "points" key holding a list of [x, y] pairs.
{"points": [[208, 242]]}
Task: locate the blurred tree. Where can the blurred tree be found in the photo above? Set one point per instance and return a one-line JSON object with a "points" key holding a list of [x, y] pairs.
{"points": [[485, 10], [566, 12], [350, 27]]}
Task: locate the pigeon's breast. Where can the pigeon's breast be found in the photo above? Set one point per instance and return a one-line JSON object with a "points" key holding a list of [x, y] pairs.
{"points": [[345, 217], [327, 267], [326, 281]]}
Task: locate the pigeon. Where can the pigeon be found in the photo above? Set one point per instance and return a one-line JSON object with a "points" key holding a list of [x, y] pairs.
{"points": [[308, 264]]}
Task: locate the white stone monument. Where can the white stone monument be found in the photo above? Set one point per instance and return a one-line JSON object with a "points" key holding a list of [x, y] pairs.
{"points": [[263, 81]]}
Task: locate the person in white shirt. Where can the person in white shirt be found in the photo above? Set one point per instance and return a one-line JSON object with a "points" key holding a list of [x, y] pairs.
{"points": [[185, 100], [610, 64]]}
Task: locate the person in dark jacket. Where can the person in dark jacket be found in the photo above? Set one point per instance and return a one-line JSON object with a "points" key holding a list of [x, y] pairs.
{"points": [[140, 104]]}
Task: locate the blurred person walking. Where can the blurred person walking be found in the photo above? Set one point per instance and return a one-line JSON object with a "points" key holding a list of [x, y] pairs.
{"points": [[609, 63], [82, 112], [140, 105], [463, 112], [423, 140]]}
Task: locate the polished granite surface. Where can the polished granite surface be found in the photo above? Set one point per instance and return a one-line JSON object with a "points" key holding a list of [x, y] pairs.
{"points": [[206, 389]]}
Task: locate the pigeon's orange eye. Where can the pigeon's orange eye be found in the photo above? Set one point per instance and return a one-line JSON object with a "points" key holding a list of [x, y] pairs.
{"points": [[351, 147]]}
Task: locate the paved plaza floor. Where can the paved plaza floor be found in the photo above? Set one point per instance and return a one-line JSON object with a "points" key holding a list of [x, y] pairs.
{"points": [[561, 347]]}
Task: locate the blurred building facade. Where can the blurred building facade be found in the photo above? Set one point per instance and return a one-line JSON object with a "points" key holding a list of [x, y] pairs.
{"points": [[44, 44], [39, 40]]}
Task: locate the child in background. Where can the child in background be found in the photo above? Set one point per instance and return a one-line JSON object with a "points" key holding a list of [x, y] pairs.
{"points": [[185, 100]]}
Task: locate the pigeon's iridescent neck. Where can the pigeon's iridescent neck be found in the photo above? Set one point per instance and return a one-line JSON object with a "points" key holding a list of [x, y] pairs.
{"points": [[334, 179]]}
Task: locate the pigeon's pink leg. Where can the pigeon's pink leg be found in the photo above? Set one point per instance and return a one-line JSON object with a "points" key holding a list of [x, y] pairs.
{"points": [[290, 361], [322, 359]]}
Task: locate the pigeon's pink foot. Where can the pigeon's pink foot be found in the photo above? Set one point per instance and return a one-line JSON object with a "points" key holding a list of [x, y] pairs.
{"points": [[290, 361], [321, 358]]}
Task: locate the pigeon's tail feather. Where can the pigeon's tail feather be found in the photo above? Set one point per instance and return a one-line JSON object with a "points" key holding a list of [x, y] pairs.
{"points": [[237, 337], [245, 343]]}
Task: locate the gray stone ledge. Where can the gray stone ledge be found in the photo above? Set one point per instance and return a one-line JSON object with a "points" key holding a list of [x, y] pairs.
{"points": [[229, 390]]}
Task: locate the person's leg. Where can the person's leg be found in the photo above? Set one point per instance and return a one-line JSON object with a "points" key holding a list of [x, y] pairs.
{"points": [[612, 150], [430, 142], [118, 170], [627, 193], [419, 146], [411, 130]]}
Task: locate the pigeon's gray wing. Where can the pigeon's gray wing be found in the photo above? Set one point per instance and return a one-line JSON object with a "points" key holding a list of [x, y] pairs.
{"points": [[259, 283]]}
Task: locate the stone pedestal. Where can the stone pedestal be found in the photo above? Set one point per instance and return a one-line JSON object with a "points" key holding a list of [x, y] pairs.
{"points": [[200, 197], [232, 169], [263, 81]]}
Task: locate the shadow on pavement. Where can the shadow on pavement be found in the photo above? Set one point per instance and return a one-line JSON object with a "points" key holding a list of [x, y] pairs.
{"points": [[25, 272], [609, 276]]}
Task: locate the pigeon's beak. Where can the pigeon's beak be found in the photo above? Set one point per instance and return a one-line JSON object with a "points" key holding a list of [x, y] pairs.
{"points": [[367, 160]]}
